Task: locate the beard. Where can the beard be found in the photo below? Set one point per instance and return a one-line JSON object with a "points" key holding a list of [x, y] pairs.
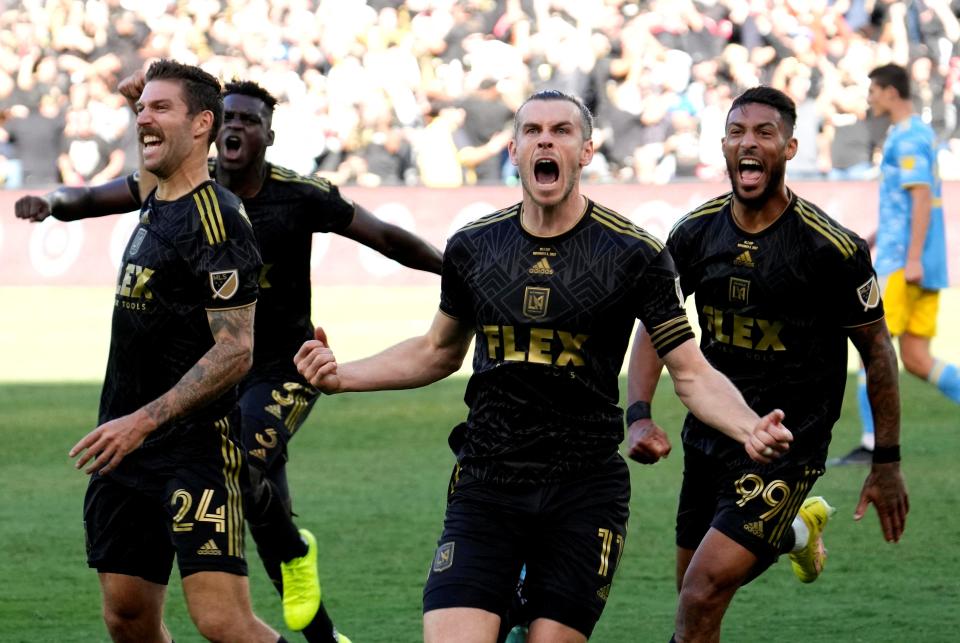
{"points": [[774, 179]]}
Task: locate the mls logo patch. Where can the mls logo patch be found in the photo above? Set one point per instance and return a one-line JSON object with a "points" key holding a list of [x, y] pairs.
{"points": [[535, 301], [137, 242], [869, 294], [739, 290], [224, 283], [444, 558]]}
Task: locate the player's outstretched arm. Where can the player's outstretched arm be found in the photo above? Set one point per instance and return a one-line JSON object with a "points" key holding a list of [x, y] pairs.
{"points": [[393, 241], [715, 400], [73, 203], [220, 368], [884, 486], [647, 442], [415, 362]]}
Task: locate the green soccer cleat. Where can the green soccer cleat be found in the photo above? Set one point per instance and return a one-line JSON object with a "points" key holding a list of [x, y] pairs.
{"points": [[301, 586], [809, 561]]}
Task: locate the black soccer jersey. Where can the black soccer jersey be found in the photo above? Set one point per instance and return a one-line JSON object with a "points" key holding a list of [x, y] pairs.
{"points": [[285, 213], [774, 308], [553, 317], [185, 257]]}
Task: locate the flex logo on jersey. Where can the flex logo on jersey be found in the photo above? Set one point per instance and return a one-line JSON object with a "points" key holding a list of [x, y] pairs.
{"points": [[869, 294], [133, 282], [224, 283], [502, 344], [535, 301], [743, 332]]}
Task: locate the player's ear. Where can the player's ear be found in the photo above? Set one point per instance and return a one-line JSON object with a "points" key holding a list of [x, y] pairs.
{"points": [[270, 137], [791, 149], [202, 123]]}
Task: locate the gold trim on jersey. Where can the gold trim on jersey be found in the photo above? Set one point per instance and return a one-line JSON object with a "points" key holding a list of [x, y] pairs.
{"points": [[499, 215], [220, 310], [289, 176], [619, 223], [232, 461], [209, 208], [710, 207], [797, 496], [666, 332], [825, 227]]}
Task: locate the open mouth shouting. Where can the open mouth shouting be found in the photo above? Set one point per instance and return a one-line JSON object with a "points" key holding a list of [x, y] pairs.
{"points": [[750, 173], [546, 172], [232, 145]]}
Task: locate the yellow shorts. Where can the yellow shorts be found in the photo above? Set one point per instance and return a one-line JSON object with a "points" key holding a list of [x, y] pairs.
{"points": [[909, 308]]}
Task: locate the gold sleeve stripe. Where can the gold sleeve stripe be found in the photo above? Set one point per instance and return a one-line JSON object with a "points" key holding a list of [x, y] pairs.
{"points": [[217, 216], [211, 217], [232, 461], [817, 221], [289, 176], [487, 219], [203, 220], [622, 224], [664, 333], [710, 207]]}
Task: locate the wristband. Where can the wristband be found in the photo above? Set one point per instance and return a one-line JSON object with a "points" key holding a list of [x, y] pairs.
{"points": [[638, 411], [886, 455]]}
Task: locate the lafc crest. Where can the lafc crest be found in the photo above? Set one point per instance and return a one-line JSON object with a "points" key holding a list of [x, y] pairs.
{"points": [[535, 301], [869, 294], [224, 283]]}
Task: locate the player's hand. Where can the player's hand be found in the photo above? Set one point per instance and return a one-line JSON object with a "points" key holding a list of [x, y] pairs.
{"points": [[770, 439], [32, 208], [884, 487], [131, 88], [913, 271], [317, 363], [109, 443], [648, 442]]}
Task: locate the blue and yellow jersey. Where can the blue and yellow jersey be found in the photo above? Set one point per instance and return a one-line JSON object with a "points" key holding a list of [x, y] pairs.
{"points": [[910, 159]]}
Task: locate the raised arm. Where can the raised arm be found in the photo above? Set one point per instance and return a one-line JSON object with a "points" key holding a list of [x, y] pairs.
{"points": [[884, 486], [716, 401], [220, 368], [393, 241], [647, 442], [415, 362], [70, 204]]}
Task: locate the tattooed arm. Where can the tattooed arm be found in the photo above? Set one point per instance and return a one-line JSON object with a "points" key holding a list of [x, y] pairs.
{"points": [[884, 486], [220, 368]]}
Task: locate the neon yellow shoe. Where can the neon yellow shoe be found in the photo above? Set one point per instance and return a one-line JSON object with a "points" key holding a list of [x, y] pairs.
{"points": [[301, 586], [342, 638], [809, 561]]}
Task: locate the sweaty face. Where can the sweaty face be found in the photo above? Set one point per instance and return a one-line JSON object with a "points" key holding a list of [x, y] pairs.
{"points": [[756, 148], [548, 150], [164, 128], [245, 134]]}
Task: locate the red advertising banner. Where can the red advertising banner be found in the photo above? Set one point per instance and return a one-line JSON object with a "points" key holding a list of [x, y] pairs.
{"points": [[87, 252]]}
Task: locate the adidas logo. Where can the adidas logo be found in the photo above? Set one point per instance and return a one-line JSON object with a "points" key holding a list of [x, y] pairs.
{"points": [[744, 259], [542, 267], [604, 593], [274, 410], [209, 548], [755, 528]]}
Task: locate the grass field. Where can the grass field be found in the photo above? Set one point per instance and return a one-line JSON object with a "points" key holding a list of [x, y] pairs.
{"points": [[369, 474]]}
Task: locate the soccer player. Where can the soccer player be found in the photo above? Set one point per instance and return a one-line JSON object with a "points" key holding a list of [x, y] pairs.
{"points": [[779, 288], [166, 474], [550, 287], [911, 244], [285, 210]]}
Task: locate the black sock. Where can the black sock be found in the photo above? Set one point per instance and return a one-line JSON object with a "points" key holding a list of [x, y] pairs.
{"points": [[321, 629], [789, 541], [270, 521]]}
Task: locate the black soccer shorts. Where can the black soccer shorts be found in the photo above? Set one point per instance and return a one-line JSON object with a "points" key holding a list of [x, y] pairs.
{"points": [[570, 535], [754, 505], [182, 496]]}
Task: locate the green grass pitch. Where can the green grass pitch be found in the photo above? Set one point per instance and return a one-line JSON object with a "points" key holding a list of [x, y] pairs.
{"points": [[369, 473]]}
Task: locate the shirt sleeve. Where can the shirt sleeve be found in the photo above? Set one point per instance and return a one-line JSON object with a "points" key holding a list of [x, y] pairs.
{"points": [[328, 210], [228, 262], [660, 304], [855, 292], [454, 296], [913, 161]]}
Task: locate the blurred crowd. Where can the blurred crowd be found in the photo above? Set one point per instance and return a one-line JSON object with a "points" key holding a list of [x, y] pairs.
{"points": [[422, 92]]}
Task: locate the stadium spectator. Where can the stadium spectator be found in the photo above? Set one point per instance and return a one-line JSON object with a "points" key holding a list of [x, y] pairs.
{"points": [[86, 157], [538, 466], [776, 320]]}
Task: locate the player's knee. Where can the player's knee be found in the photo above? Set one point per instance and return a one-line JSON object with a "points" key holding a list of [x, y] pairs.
{"points": [[130, 621], [222, 626]]}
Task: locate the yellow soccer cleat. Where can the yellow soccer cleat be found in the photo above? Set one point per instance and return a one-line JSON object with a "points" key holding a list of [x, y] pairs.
{"points": [[342, 638], [301, 586], [809, 561]]}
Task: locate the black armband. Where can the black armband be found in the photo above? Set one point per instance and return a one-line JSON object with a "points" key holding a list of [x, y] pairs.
{"points": [[638, 411], [886, 455]]}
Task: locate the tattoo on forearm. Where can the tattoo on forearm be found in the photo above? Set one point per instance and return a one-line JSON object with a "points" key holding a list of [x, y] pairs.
{"points": [[883, 382], [220, 367]]}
